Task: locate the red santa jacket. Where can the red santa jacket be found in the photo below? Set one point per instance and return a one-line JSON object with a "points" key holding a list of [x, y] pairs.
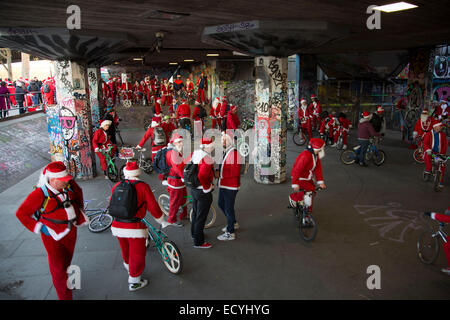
{"points": [[196, 113], [223, 109], [440, 217], [157, 109], [53, 210], [190, 86], [423, 127], [344, 123], [429, 142], [174, 160], [127, 86], [145, 202], [233, 121], [183, 111], [315, 110], [329, 124], [168, 129], [212, 111], [205, 169], [306, 166], [149, 135], [442, 111], [165, 90], [100, 139], [304, 115], [230, 170]]}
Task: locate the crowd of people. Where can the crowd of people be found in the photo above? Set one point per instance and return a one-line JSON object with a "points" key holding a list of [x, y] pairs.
{"points": [[197, 172], [26, 95]]}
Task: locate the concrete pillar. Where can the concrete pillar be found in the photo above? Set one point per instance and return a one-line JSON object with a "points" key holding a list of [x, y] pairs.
{"points": [[308, 77], [95, 95], [70, 122], [293, 87], [25, 58], [271, 100]]}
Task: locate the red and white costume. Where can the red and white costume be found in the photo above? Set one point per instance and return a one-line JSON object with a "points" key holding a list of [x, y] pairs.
{"points": [[183, 111], [328, 124], [12, 91], [190, 88], [132, 235], [205, 167], [442, 111], [429, 142], [101, 140], [315, 110], [127, 90], [305, 118], [343, 127], [223, 113], [213, 113], [166, 92], [49, 97], [233, 121], [422, 127], [198, 122], [202, 86], [149, 135], [57, 224], [445, 219]]}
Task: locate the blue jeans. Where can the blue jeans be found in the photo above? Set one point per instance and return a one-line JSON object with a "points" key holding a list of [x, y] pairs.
{"points": [[226, 202], [361, 152]]}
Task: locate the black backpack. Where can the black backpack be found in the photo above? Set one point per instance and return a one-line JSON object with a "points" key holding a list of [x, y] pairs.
{"points": [[46, 88], [159, 162], [123, 203], [190, 175], [202, 113]]}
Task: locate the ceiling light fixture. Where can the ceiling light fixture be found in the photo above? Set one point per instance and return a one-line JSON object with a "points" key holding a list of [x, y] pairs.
{"points": [[394, 7], [212, 55], [188, 60], [137, 59], [173, 63]]}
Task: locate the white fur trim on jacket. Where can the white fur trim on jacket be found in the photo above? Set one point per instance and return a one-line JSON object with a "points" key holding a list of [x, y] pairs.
{"points": [[129, 233], [37, 228]]}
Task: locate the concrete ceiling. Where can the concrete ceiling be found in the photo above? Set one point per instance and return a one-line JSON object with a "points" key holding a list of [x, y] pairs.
{"points": [[120, 30]]}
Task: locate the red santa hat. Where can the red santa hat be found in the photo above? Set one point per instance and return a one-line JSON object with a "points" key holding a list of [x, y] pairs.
{"points": [[155, 122], [366, 115], [197, 102], [232, 108], [183, 100], [224, 98], [313, 96], [105, 123], [425, 111], [380, 110], [159, 99], [317, 144], [437, 124], [131, 170], [205, 142], [303, 100], [55, 169], [176, 138]]}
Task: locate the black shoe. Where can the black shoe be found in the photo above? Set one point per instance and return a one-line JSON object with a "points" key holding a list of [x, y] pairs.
{"points": [[363, 164]]}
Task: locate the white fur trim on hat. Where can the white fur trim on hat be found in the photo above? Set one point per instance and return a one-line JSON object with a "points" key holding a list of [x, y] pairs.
{"points": [[105, 122]]}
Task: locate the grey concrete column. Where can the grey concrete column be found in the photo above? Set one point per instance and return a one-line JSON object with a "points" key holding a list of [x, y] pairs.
{"points": [[70, 122], [95, 95], [271, 95]]}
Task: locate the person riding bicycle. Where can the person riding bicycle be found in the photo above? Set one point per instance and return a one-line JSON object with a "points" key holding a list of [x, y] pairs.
{"points": [[156, 134], [365, 132], [423, 125], [445, 218], [101, 141], [223, 113], [343, 127], [168, 127], [316, 111], [183, 115], [435, 142], [304, 118], [178, 86], [308, 166], [112, 116], [328, 126], [132, 233]]}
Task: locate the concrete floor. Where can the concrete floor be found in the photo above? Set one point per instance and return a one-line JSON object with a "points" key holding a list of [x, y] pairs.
{"points": [[367, 216]]}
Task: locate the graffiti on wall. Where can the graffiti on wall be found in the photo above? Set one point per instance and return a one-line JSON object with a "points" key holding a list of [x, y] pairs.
{"points": [[271, 105], [93, 95]]}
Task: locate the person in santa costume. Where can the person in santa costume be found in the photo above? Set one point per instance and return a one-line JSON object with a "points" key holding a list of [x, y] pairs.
{"points": [[166, 92], [202, 197], [229, 175], [168, 127], [133, 233], [112, 90], [202, 86], [435, 142], [183, 115], [423, 125], [54, 210], [223, 113], [304, 118], [150, 134], [306, 169], [198, 122], [190, 89], [127, 90], [213, 113], [233, 121], [111, 115], [101, 141], [172, 109], [343, 126], [328, 126], [444, 218], [316, 110], [442, 111], [12, 91], [157, 111], [49, 97], [175, 183], [5, 103]]}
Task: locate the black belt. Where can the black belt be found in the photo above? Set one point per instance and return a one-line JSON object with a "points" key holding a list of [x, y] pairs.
{"points": [[132, 220], [173, 177], [68, 222]]}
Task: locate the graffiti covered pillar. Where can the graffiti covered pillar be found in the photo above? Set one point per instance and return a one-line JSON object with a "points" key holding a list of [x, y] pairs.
{"points": [[70, 122], [293, 87], [95, 95], [271, 95]]}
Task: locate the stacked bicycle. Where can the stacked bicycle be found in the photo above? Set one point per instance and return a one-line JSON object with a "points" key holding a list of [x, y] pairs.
{"points": [[129, 153]]}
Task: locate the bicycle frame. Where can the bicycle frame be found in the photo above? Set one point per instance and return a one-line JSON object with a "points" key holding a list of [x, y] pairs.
{"points": [[441, 233], [158, 237]]}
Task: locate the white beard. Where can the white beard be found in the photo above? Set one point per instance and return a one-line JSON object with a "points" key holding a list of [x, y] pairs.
{"points": [[321, 154], [423, 118]]}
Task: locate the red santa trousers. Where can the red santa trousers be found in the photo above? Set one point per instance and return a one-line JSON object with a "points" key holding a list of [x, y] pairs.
{"points": [[60, 255], [177, 199], [307, 185], [133, 254], [344, 136], [201, 95], [306, 128], [428, 165]]}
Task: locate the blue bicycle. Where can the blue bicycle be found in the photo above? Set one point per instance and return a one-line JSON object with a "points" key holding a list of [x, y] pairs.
{"points": [[373, 153]]}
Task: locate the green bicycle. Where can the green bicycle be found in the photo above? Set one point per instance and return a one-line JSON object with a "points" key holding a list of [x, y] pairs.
{"points": [[111, 169], [170, 254], [164, 204]]}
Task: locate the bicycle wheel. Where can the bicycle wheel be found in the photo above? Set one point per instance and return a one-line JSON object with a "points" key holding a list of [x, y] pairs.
{"points": [[146, 166], [210, 219], [418, 156], [112, 173], [437, 181], [410, 118], [427, 247], [164, 203], [244, 149], [378, 158], [172, 257], [100, 222], [348, 157], [307, 227], [340, 143], [299, 138], [369, 155]]}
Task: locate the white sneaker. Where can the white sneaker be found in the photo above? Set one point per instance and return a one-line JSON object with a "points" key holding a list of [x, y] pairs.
{"points": [[127, 267], [176, 224], [333, 145], [226, 236], [236, 226], [344, 147], [446, 271], [139, 285]]}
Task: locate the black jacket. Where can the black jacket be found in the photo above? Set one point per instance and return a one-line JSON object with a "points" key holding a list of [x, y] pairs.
{"points": [[20, 94]]}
